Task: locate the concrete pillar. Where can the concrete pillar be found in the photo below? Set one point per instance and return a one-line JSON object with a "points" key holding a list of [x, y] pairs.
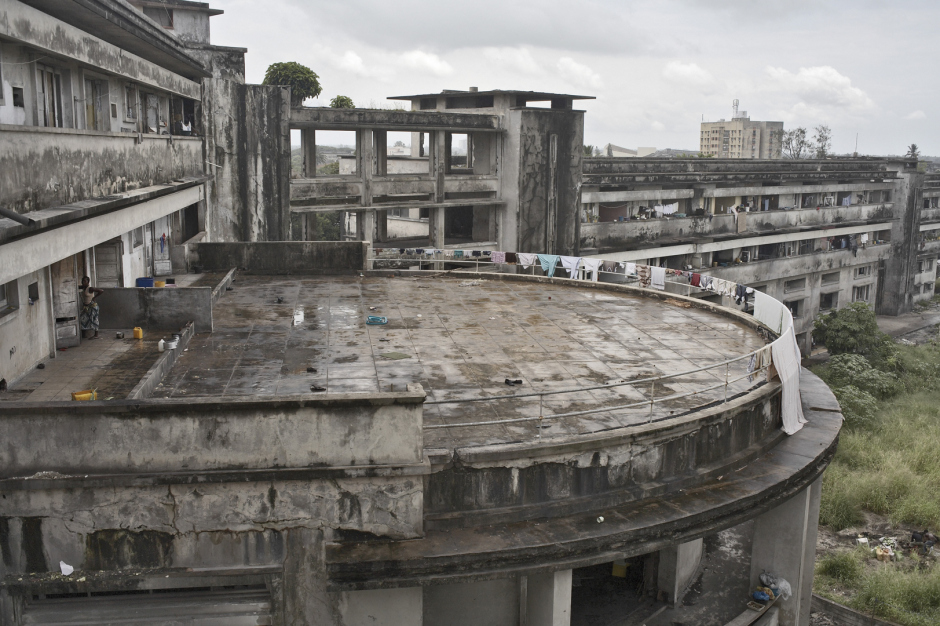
{"points": [[381, 225], [785, 544], [365, 225], [308, 148], [436, 226], [382, 607], [380, 152], [548, 599], [678, 564]]}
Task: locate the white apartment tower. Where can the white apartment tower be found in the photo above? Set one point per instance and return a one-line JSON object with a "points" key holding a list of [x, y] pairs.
{"points": [[740, 138]]}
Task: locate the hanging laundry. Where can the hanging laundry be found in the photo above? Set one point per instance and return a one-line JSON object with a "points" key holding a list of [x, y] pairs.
{"points": [[696, 280], [592, 266], [864, 238], [658, 277], [768, 311], [643, 272], [527, 260], [571, 264], [477, 253], [498, 257], [458, 254], [511, 257], [629, 269], [786, 360], [548, 262], [448, 254], [759, 360]]}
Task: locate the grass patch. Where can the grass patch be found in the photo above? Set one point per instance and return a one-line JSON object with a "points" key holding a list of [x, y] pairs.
{"points": [[888, 462]]}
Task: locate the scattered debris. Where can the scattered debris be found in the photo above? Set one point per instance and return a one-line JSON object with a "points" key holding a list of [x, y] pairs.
{"points": [[66, 568], [311, 370], [317, 388], [513, 382], [679, 303], [41, 366]]}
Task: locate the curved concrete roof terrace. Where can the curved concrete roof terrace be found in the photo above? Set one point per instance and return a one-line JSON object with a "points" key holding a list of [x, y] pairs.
{"points": [[463, 338]]}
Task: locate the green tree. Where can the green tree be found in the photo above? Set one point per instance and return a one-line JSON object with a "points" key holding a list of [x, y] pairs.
{"points": [[854, 330], [588, 150], [913, 151], [303, 81], [795, 144], [342, 102]]}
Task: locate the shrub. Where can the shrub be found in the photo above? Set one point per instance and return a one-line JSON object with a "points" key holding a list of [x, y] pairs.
{"points": [[854, 370], [845, 567], [342, 102], [858, 407], [854, 329]]}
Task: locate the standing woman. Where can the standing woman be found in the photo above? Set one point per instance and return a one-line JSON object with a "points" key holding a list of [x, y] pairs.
{"points": [[89, 316]]}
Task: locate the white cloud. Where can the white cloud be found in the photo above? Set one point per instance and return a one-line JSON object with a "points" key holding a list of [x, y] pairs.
{"points": [[353, 63], [427, 62], [687, 74], [513, 59], [658, 126], [821, 87], [916, 115], [578, 74]]}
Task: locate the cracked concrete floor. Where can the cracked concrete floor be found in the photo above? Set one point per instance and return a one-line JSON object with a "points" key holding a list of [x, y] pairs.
{"points": [[461, 338]]}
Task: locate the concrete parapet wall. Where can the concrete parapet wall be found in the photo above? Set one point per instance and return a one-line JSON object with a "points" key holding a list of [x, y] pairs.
{"points": [[204, 435], [843, 615], [283, 257], [163, 308]]}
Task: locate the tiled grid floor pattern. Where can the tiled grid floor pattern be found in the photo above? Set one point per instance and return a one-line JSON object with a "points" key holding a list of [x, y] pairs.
{"points": [[463, 338], [112, 366]]}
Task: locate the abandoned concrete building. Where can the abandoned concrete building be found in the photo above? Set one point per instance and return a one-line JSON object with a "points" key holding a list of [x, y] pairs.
{"points": [[336, 436]]}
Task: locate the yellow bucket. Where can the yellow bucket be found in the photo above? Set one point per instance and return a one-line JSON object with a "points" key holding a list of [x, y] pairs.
{"points": [[619, 569], [138, 333], [88, 394], [159, 283]]}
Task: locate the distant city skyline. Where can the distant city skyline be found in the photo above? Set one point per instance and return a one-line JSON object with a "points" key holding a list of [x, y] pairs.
{"points": [[656, 67]]}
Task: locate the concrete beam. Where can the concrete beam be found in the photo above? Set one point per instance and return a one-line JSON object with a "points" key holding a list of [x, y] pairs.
{"points": [[588, 197], [730, 192], [31, 27], [326, 118], [31, 253]]}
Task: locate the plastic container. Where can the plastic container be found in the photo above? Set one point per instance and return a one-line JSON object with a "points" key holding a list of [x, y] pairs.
{"points": [[160, 346], [87, 394], [138, 333], [170, 281], [171, 345], [145, 282], [159, 283]]}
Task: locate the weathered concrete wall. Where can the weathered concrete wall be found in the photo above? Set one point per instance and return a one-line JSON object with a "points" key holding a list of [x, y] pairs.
{"points": [[26, 334], [294, 257], [491, 602], [545, 180], [48, 167], [248, 151], [901, 264], [158, 308]]}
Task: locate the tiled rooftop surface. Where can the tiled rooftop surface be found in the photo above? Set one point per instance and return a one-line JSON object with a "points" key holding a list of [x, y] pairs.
{"points": [[460, 338]]}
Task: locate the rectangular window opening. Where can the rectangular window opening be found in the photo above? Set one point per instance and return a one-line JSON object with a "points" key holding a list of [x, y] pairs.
{"points": [[828, 301], [794, 285]]}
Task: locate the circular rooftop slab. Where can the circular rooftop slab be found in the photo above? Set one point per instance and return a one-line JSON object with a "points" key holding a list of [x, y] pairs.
{"points": [[462, 338]]}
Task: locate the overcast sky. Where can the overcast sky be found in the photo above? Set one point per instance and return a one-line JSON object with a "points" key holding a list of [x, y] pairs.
{"points": [[656, 67]]}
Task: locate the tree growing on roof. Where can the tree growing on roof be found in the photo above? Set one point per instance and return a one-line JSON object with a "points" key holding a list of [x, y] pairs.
{"points": [[303, 81], [342, 102], [822, 141], [913, 151]]}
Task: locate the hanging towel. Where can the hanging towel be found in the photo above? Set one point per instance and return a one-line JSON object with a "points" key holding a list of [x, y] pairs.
{"points": [[592, 265], [476, 253], [759, 360], [629, 269], [498, 257], [658, 277], [786, 359], [768, 311], [643, 272], [527, 260], [458, 254], [571, 263], [548, 262], [696, 280], [448, 254], [511, 257]]}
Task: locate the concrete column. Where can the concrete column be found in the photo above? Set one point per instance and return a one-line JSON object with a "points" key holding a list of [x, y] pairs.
{"points": [[365, 225], [678, 564], [436, 226], [308, 148], [548, 599], [381, 225], [382, 607], [380, 152], [785, 544], [490, 602]]}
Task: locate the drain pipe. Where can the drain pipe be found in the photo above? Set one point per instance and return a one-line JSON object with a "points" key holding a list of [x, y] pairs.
{"points": [[16, 217]]}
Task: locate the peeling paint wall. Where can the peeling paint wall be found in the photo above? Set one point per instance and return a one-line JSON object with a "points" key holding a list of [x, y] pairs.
{"points": [[26, 334]]}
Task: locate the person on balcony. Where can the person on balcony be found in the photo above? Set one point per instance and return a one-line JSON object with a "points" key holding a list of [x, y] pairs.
{"points": [[89, 315]]}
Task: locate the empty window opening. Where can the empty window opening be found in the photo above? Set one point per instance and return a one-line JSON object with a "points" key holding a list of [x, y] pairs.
{"points": [[18, 99], [32, 292], [183, 120], [458, 225], [807, 246], [863, 272], [336, 153], [50, 97], [96, 96], [828, 301], [458, 152], [795, 285], [428, 104], [829, 279], [795, 306], [130, 103], [860, 294], [924, 265]]}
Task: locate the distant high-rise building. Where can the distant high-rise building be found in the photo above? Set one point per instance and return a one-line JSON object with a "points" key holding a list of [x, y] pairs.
{"points": [[741, 138]]}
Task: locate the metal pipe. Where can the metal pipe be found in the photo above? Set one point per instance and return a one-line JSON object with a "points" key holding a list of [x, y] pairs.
{"points": [[16, 217]]}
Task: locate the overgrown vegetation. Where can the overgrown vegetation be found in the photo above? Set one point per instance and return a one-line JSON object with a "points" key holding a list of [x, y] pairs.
{"points": [[887, 463], [342, 102]]}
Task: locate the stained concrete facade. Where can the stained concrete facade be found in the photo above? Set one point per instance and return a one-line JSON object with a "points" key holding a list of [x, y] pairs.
{"points": [[817, 235]]}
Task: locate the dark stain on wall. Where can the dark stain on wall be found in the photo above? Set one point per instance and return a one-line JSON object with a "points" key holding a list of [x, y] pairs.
{"points": [[5, 553], [118, 548]]}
